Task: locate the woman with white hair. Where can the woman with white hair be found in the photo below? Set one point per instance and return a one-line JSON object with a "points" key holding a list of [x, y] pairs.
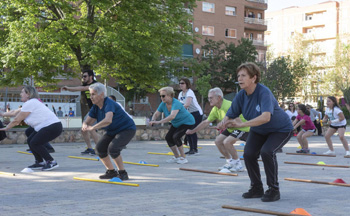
{"points": [[181, 120], [119, 127], [46, 127]]}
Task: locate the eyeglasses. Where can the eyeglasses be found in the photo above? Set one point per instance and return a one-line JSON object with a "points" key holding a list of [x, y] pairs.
{"points": [[85, 76], [182, 83], [162, 96]]}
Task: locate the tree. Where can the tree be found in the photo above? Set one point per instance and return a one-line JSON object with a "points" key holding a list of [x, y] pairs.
{"points": [[283, 77], [341, 73], [127, 40], [220, 60]]}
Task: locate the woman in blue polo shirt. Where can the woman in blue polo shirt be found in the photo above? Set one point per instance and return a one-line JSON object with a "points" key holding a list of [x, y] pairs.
{"points": [[181, 120], [270, 130]]}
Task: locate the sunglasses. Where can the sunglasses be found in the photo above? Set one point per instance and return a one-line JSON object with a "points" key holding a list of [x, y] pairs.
{"points": [[162, 96], [84, 76], [182, 83]]}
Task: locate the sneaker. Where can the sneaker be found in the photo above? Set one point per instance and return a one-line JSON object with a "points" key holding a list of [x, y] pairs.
{"points": [[329, 152], [110, 174], [271, 195], [89, 151], [37, 165], [190, 152], [182, 160], [50, 165], [254, 192], [347, 154], [304, 151], [172, 160], [226, 166], [196, 153], [123, 175], [237, 167]]}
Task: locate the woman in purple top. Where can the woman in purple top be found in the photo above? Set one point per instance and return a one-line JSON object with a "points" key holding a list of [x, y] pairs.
{"points": [[308, 128]]}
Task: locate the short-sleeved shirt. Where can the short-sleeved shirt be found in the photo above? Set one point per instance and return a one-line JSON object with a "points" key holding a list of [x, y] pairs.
{"points": [[308, 125], [313, 114], [291, 114], [183, 117], [219, 114], [86, 94], [194, 106], [260, 101], [40, 115], [334, 114], [120, 121]]}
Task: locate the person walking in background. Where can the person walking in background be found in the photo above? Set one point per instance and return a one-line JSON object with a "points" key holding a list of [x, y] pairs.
{"points": [[59, 112], [189, 100], [337, 122], [181, 120], [270, 130], [46, 127], [308, 128], [119, 127], [88, 78], [313, 115], [224, 142]]}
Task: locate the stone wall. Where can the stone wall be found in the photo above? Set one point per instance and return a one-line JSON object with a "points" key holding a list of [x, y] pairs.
{"points": [[17, 135]]}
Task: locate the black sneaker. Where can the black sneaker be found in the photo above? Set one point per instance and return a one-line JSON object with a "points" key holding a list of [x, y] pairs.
{"points": [[123, 175], [190, 152], [50, 165], [254, 192], [110, 174], [271, 195], [89, 151], [37, 165]]}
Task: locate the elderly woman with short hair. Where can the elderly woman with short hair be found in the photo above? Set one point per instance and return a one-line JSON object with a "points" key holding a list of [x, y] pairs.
{"points": [[119, 127], [270, 130], [46, 127], [181, 120]]}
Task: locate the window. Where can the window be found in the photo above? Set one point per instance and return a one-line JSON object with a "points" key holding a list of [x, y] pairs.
{"points": [[251, 36], [259, 37], [208, 7], [231, 11], [259, 15], [231, 33], [208, 30]]}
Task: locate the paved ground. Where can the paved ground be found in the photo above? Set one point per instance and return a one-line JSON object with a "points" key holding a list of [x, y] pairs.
{"points": [[165, 190]]}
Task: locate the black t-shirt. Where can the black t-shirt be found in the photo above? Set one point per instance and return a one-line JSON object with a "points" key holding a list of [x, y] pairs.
{"points": [[86, 94]]}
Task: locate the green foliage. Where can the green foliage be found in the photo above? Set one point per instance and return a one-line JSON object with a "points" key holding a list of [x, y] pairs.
{"points": [[283, 77], [203, 85], [221, 61], [346, 93], [346, 112], [341, 75], [127, 40]]}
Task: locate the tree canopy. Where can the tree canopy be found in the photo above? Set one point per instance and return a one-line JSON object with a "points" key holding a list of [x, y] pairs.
{"points": [[220, 61], [130, 40]]}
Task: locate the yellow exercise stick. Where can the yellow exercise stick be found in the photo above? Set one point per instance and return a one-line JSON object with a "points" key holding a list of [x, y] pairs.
{"points": [[153, 165], [84, 158], [156, 153], [108, 182], [22, 152], [6, 173]]}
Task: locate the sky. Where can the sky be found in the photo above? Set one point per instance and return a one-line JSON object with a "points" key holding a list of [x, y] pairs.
{"points": [[274, 5]]}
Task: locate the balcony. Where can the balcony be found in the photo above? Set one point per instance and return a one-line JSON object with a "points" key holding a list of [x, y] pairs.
{"points": [[255, 24], [256, 4], [259, 1], [258, 42]]}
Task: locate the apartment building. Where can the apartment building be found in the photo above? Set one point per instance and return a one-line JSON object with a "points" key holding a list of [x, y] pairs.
{"points": [[318, 27], [229, 21]]}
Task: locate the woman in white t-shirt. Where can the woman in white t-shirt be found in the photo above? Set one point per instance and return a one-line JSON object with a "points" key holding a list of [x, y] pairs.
{"points": [[189, 100], [292, 113], [46, 127], [337, 122]]}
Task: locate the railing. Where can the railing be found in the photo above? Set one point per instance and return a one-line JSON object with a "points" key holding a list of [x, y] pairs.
{"points": [[117, 94], [259, 1], [255, 21], [258, 42]]}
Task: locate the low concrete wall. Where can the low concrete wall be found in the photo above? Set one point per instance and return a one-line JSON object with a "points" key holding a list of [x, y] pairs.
{"points": [[17, 135]]}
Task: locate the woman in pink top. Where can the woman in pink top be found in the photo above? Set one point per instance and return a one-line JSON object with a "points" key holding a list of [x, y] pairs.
{"points": [[308, 128]]}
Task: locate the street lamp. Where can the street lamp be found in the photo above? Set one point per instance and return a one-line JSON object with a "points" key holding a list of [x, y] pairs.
{"points": [[237, 84]]}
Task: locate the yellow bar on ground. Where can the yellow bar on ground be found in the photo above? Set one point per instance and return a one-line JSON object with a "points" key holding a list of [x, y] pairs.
{"points": [[6, 173], [156, 153], [239, 150], [188, 146], [153, 165], [22, 152], [84, 158], [108, 182]]}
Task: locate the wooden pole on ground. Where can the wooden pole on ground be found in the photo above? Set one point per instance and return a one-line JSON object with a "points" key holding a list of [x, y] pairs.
{"points": [[209, 172], [317, 182], [302, 154], [313, 164], [261, 211]]}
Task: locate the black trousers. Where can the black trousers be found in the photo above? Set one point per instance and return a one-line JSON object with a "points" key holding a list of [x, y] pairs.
{"points": [[193, 139], [319, 128], [173, 137], [266, 146]]}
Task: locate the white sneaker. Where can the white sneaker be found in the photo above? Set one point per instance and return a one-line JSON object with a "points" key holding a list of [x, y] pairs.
{"points": [[329, 152], [182, 160], [172, 160], [226, 166], [347, 154], [237, 167]]}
